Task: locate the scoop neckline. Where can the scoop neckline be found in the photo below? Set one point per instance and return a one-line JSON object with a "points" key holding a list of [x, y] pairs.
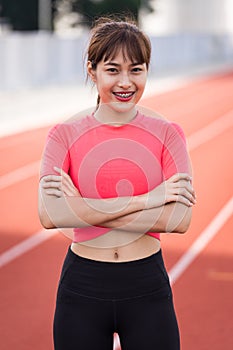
{"points": [[133, 121]]}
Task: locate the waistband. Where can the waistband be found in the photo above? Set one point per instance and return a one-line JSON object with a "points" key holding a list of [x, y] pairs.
{"points": [[110, 280], [98, 263]]}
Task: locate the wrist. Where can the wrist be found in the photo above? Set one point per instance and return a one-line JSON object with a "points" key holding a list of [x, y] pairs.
{"points": [[143, 201]]}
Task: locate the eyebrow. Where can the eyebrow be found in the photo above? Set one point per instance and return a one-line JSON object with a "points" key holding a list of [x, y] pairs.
{"points": [[118, 65]]}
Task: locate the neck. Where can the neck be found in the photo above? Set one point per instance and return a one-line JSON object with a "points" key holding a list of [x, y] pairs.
{"points": [[116, 116]]}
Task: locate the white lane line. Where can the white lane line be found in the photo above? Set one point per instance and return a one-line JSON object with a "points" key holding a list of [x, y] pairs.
{"points": [[195, 140], [210, 131], [25, 246], [19, 174], [117, 345], [202, 241]]}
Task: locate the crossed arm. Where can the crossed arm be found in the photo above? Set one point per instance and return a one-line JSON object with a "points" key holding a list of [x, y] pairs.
{"points": [[167, 208]]}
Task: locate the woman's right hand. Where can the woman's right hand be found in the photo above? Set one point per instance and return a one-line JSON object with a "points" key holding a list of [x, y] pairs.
{"points": [[59, 185], [177, 188]]}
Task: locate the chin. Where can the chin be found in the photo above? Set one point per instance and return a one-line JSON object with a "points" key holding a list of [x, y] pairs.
{"points": [[122, 107]]}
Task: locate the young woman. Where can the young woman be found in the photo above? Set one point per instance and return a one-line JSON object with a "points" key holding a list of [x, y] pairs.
{"points": [[119, 177]]}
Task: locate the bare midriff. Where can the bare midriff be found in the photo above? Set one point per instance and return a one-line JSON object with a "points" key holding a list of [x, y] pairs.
{"points": [[139, 249]]}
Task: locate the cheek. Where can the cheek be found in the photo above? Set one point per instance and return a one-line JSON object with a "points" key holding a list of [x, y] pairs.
{"points": [[104, 83], [141, 85], [141, 81]]}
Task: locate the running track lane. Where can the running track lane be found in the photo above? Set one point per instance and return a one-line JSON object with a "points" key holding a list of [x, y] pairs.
{"points": [[203, 293]]}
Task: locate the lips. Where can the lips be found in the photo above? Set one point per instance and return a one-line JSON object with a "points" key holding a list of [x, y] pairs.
{"points": [[124, 96]]}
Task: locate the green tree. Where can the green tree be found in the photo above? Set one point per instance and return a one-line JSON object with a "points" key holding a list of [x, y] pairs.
{"points": [[90, 9], [21, 15]]}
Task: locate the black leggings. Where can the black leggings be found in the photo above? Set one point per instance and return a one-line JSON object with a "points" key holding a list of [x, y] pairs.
{"points": [[97, 299]]}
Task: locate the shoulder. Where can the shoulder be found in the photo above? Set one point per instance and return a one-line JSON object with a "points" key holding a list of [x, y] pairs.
{"points": [[156, 121], [160, 127], [177, 129], [72, 128]]}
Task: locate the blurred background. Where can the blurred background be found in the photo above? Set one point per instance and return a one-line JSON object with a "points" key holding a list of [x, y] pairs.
{"points": [[42, 49], [42, 41], [42, 81]]}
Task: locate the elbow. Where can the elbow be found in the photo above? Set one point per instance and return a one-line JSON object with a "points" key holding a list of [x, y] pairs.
{"points": [[183, 225], [43, 214], [47, 225], [181, 222], [45, 221], [181, 229]]}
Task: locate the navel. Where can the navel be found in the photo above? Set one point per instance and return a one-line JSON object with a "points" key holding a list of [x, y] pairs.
{"points": [[116, 255]]}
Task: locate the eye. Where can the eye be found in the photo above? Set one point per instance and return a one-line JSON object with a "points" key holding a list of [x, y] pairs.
{"points": [[137, 70], [112, 70]]}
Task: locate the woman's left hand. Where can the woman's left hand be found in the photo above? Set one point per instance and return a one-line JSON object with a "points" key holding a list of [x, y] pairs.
{"points": [[59, 185]]}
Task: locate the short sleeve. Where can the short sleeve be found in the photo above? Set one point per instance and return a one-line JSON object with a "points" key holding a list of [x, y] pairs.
{"points": [[56, 152], [175, 157]]}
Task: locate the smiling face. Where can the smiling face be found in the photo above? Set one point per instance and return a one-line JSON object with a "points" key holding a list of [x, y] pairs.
{"points": [[118, 58], [120, 84]]}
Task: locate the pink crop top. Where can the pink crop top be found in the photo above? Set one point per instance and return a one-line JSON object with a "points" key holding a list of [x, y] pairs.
{"points": [[106, 161]]}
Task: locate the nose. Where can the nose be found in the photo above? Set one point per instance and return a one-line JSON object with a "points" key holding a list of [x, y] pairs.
{"points": [[124, 81]]}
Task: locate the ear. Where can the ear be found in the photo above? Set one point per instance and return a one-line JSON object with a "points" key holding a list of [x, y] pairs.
{"points": [[90, 71]]}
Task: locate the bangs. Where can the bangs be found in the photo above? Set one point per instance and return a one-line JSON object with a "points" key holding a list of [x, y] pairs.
{"points": [[110, 38], [130, 49], [131, 45]]}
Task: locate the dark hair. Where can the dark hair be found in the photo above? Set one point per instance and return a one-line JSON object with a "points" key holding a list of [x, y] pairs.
{"points": [[108, 36]]}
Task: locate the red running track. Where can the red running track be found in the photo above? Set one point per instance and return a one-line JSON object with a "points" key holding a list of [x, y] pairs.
{"points": [[203, 286]]}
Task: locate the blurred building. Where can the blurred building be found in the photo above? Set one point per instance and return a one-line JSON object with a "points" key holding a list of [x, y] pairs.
{"points": [[184, 34], [200, 16]]}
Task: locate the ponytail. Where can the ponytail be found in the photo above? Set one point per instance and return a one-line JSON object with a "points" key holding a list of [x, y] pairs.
{"points": [[97, 102]]}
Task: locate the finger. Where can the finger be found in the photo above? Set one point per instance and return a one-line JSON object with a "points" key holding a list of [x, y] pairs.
{"points": [[68, 183], [183, 183], [67, 186], [185, 193], [180, 176], [185, 200], [186, 185], [176, 190], [61, 172], [52, 184], [190, 189], [59, 187], [48, 178], [182, 199], [54, 192], [58, 170]]}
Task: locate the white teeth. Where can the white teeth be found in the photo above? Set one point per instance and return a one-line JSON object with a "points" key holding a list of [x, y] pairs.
{"points": [[126, 95]]}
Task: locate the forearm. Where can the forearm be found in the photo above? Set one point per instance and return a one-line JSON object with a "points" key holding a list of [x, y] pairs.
{"points": [[172, 217], [61, 205], [82, 212]]}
